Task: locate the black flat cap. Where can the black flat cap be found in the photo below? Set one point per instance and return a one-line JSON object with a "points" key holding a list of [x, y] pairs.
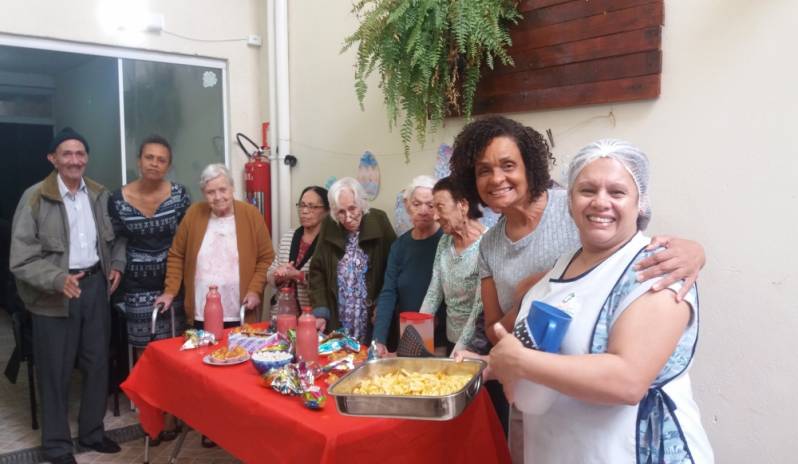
{"points": [[67, 133]]}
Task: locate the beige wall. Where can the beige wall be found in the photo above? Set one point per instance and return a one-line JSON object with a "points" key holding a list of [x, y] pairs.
{"points": [[81, 21], [724, 172]]}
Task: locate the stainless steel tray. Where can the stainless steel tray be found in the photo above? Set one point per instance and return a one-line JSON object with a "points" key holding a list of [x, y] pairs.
{"points": [[439, 408]]}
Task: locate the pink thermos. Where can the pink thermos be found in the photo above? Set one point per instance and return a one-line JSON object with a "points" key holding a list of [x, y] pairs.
{"points": [[214, 315], [307, 339]]}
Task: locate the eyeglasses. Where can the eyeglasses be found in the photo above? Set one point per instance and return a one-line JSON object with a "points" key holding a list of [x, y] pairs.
{"points": [[352, 211], [307, 207]]}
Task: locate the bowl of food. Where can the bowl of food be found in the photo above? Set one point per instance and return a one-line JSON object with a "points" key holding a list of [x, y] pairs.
{"points": [[266, 360]]}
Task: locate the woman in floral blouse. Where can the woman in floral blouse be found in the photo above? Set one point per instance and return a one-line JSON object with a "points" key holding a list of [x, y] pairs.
{"points": [[455, 274]]}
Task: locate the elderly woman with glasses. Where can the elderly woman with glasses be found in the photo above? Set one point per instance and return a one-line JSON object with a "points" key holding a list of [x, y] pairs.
{"points": [[223, 242], [347, 270], [296, 248]]}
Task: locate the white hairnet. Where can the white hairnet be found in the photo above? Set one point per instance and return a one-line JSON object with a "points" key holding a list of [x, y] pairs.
{"points": [[631, 158]]}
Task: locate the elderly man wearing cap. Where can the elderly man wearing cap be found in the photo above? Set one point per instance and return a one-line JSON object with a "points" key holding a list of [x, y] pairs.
{"points": [[67, 261]]}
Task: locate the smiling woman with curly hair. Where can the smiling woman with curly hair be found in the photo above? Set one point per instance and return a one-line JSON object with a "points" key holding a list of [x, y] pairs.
{"points": [[470, 145], [504, 165]]}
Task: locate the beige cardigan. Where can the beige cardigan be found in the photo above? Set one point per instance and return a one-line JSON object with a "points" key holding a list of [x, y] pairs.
{"points": [[255, 252]]}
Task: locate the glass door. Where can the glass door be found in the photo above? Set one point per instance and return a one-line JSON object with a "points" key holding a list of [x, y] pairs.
{"points": [[184, 104]]}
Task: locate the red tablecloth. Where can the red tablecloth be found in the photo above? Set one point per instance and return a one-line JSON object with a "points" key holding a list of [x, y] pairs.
{"points": [[231, 406]]}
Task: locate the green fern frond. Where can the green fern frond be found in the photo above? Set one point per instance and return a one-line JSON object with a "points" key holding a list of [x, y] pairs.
{"points": [[428, 54]]}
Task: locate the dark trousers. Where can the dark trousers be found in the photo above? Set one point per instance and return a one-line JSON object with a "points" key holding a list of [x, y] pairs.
{"points": [[59, 343]]}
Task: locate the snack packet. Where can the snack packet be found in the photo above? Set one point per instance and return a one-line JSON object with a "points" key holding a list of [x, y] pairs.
{"points": [[197, 338], [331, 345]]}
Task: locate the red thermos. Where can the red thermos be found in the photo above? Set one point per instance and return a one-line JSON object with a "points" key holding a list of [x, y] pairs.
{"points": [[214, 315]]}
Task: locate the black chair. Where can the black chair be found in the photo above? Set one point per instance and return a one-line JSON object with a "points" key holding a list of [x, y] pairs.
{"points": [[23, 352]]}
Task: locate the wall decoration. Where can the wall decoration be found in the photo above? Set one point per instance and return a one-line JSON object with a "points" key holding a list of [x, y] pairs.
{"points": [[330, 180], [401, 218], [368, 174], [442, 162], [209, 79]]}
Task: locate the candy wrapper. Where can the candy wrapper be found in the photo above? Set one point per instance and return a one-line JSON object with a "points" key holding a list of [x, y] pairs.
{"points": [[373, 352], [306, 373], [331, 345], [360, 357], [345, 364], [297, 379], [273, 342], [284, 380], [197, 338], [313, 398], [337, 333], [277, 342]]}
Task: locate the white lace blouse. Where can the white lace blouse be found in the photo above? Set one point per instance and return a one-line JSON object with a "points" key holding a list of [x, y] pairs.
{"points": [[217, 264]]}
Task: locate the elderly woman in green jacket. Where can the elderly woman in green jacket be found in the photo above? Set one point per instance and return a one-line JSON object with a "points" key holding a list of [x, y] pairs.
{"points": [[347, 269]]}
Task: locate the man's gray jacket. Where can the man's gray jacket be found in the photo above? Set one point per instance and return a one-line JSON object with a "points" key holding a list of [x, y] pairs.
{"points": [[39, 256]]}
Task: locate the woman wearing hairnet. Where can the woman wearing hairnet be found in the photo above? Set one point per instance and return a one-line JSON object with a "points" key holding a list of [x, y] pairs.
{"points": [[619, 389]]}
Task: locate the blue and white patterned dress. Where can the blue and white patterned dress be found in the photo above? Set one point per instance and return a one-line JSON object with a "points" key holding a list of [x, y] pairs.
{"points": [[353, 304], [665, 427], [148, 242]]}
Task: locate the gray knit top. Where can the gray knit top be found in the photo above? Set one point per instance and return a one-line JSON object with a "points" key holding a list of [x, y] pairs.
{"points": [[510, 262]]}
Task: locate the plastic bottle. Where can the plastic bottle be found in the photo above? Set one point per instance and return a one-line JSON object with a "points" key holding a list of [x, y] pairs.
{"points": [[286, 310], [213, 313], [307, 339]]}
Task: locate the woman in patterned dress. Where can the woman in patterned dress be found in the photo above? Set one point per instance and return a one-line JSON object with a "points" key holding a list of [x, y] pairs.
{"points": [[147, 212]]}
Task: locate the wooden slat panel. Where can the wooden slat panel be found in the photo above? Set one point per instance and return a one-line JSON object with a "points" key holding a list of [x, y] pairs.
{"points": [[604, 69], [583, 50], [639, 17], [577, 52], [634, 88], [529, 5], [575, 9]]}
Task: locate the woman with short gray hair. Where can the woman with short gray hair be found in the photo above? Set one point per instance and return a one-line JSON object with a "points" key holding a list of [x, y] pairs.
{"points": [[212, 171], [409, 264], [351, 185], [222, 242], [347, 269]]}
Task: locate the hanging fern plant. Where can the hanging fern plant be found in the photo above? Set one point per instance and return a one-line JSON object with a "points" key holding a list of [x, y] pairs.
{"points": [[429, 54]]}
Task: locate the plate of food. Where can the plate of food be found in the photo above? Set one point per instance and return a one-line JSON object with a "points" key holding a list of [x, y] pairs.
{"points": [[225, 356]]}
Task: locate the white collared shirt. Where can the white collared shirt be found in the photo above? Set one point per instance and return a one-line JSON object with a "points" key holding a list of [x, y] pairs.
{"points": [[82, 230]]}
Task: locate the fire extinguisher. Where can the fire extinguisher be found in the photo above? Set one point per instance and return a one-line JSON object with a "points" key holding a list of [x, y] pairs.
{"points": [[256, 175]]}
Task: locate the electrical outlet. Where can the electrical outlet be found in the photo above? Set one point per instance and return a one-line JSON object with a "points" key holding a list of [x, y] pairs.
{"points": [[254, 40]]}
